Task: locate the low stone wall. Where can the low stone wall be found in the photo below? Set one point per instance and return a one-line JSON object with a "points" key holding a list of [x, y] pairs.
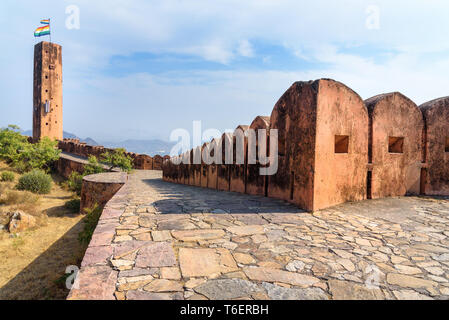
{"points": [[98, 189], [97, 279], [140, 161], [65, 166]]}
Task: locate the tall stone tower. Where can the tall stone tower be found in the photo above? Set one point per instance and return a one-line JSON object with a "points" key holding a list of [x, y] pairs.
{"points": [[47, 93]]}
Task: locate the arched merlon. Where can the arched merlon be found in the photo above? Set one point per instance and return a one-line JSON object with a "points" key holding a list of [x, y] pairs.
{"points": [[395, 145], [100, 188], [436, 115], [323, 139]]}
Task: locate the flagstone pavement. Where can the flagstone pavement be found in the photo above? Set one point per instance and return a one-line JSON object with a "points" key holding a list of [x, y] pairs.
{"points": [[158, 240]]}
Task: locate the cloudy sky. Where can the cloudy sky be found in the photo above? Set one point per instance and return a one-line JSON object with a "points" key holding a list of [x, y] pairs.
{"points": [[138, 69]]}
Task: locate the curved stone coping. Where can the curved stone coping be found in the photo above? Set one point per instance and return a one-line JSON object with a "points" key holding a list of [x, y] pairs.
{"points": [[107, 177], [97, 279]]}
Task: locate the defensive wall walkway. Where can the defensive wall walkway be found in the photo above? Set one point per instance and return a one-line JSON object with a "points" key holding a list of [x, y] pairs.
{"points": [[159, 240]]}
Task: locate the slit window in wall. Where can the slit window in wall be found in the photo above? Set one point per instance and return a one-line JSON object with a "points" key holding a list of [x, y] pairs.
{"points": [[341, 144], [396, 144], [446, 146]]}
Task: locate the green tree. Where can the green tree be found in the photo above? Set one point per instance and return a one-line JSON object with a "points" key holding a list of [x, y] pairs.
{"points": [[75, 180], [93, 166], [12, 143], [23, 155], [39, 155], [118, 159]]}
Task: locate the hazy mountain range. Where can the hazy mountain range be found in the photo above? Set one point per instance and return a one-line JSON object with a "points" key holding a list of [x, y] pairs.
{"points": [[149, 147]]}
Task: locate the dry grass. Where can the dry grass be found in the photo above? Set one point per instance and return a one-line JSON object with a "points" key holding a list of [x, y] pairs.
{"points": [[33, 263]]}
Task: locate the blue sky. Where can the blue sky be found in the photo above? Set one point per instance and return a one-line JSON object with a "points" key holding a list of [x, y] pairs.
{"points": [[139, 69]]}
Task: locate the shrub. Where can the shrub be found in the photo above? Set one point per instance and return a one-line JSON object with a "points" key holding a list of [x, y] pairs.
{"points": [[93, 167], [73, 205], [14, 197], [118, 159], [11, 144], [23, 155], [35, 181], [75, 182], [39, 155], [7, 176], [90, 223]]}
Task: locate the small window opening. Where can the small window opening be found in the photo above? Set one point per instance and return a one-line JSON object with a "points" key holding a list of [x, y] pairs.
{"points": [[46, 77], [341, 144], [446, 147], [46, 123], [395, 144]]}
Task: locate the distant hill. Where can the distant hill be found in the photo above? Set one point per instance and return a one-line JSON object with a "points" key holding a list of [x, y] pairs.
{"points": [[149, 147], [67, 135]]}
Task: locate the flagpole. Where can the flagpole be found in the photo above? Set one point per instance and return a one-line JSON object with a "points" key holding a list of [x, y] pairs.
{"points": [[49, 27]]}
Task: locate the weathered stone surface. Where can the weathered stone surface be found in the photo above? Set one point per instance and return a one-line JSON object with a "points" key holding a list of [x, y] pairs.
{"points": [[276, 292], [407, 269], [156, 254], [197, 235], [275, 275], [143, 295], [344, 290], [163, 285], [295, 266], [205, 262], [246, 230], [243, 258], [178, 224], [410, 295], [163, 235], [171, 273], [409, 281], [136, 272], [96, 255], [225, 289], [94, 283], [20, 221]]}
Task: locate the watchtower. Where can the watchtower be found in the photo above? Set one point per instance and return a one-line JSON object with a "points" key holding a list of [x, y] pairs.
{"points": [[47, 91]]}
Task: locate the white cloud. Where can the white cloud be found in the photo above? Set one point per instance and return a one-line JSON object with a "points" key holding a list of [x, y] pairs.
{"points": [[245, 49], [325, 33]]}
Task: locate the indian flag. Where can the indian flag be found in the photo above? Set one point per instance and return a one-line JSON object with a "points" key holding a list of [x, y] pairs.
{"points": [[42, 31], [45, 21]]}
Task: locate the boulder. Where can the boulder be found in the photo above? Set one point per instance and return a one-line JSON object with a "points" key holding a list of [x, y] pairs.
{"points": [[20, 221]]}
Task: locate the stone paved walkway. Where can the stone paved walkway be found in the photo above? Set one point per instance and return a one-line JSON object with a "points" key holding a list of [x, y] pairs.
{"points": [[181, 242]]}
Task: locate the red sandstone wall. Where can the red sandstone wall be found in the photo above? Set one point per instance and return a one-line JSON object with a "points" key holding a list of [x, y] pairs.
{"points": [[65, 167], [395, 173], [255, 183], [98, 189], [294, 116], [140, 161], [238, 171], [315, 171], [436, 114], [339, 177]]}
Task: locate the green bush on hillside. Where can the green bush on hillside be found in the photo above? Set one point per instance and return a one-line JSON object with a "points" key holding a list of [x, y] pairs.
{"points": [[118, 159], [7, 176], [23, 155], [36, 181], [75, 180]]}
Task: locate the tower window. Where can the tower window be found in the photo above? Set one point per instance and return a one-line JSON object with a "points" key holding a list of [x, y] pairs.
{"points": [[46, 77], [46, 123], [396, 144], [341, 144], [446, 147]]}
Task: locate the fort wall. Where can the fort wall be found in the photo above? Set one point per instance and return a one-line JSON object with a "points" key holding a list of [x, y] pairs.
{"points": [[334, 147]]}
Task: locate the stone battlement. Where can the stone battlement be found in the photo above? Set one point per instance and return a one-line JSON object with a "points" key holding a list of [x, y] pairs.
{"points": [[334, 148], [140, 161]]}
